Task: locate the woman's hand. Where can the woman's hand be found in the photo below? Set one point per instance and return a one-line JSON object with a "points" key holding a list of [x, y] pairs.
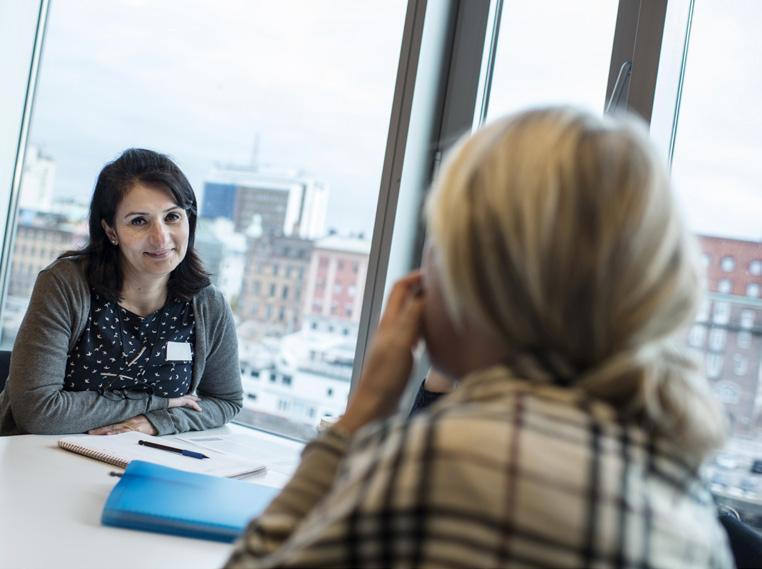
{"points": [[190, 401], [139, 424], [390, 358]]}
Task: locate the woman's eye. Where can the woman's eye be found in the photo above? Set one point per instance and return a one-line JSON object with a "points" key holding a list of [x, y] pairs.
{"points": [[137, 221], [174, 216]]}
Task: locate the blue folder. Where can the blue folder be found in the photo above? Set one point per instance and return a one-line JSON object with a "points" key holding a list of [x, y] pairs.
{"points": [[151, 497]]}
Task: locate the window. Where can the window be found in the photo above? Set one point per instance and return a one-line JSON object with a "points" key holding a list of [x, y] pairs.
{"points": [[713, 365], [740, 364], [743, 339], [728, 264], [721, 312], [716, 173], [717, 339], [251, 101], [541, 57]]}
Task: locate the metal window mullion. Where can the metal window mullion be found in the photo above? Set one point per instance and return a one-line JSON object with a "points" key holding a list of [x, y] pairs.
{"points": [[31, 90], [462, 49], [390, 179], [637, 39]]}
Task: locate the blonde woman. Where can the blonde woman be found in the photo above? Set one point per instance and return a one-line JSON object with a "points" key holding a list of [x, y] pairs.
{"points": [[556, 282]]}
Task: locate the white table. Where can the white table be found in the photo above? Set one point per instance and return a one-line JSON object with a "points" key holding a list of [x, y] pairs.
{"points": [[51, 502]]}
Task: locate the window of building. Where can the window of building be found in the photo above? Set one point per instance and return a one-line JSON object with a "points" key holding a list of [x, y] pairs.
{"points": [[713, 365], [743, 338], [721, 312], [755, 267], [725, 286], [752, 290], [747, 318], [717, 339], [728, 264], [727, 392], [740, 364]]}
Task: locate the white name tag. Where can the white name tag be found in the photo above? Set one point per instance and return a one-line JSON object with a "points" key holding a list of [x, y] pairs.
{"points": [[178, 352]]}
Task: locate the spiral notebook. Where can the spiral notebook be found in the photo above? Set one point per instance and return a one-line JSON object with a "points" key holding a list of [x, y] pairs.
{"points": [[123, 448]]}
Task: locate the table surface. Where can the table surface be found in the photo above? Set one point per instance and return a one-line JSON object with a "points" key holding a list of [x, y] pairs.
{"points": [[51, 502]]}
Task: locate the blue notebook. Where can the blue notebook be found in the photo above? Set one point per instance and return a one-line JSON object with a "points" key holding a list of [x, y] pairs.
{"points": [[151, 497]]}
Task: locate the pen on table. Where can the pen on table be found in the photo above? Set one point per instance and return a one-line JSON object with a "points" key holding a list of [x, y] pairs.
{"points": [[182, 451]]}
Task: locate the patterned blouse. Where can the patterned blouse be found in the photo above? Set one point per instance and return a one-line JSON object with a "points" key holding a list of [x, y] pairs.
{"points": [[120, 352]]}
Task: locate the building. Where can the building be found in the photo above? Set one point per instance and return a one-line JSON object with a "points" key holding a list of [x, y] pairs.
{"points": [[728, 330], [309, 378], [40, 238], [222, 251], [276, 203], [335, 282], [273, 283], [37, 181]]}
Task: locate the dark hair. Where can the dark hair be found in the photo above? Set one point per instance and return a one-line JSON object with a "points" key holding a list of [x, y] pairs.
{"points": [[138, 166]]}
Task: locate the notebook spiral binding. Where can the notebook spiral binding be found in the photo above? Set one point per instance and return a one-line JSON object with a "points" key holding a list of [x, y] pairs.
{"points": [[102, 456]]}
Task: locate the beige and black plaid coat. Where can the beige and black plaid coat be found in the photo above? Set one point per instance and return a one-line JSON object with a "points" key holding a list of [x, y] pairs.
{"points": [[500, 473]]}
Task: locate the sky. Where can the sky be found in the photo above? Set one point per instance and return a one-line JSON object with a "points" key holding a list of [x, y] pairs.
{"points": [[312, 82]]}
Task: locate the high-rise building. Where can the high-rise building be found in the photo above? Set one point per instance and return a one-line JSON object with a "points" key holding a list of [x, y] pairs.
{"points": [[263, 202], [222, 252]]}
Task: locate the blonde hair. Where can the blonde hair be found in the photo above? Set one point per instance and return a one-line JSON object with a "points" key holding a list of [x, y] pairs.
{"points": [[556, 231]]}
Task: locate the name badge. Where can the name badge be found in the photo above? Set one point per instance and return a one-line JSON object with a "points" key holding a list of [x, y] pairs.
{"points": [[179, 352]]}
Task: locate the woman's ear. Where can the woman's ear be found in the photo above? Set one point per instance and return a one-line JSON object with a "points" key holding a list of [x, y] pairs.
{"points": [[110, 233]]}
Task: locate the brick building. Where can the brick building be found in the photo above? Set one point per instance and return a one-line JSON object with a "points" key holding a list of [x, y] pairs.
{"points": [[728, 331]]}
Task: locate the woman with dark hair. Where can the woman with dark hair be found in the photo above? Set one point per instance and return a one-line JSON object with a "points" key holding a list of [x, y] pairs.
{"points": [[127, 333]]}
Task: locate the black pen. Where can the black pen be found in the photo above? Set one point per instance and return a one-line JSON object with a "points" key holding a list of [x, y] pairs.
{"points": [[182, 451]]}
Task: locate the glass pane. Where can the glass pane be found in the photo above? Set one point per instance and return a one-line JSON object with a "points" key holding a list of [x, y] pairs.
{"points": [[551, 52], [278, 114], [718, 175]]}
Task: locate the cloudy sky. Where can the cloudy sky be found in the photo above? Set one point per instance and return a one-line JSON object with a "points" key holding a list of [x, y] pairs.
{"points": [[312, 81], [201, 81]]}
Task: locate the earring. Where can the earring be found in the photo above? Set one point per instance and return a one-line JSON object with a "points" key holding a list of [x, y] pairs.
{"points": [[114, 242]]}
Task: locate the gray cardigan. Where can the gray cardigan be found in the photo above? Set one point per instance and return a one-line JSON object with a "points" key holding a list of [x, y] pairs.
{"points": [[34, 400]]}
